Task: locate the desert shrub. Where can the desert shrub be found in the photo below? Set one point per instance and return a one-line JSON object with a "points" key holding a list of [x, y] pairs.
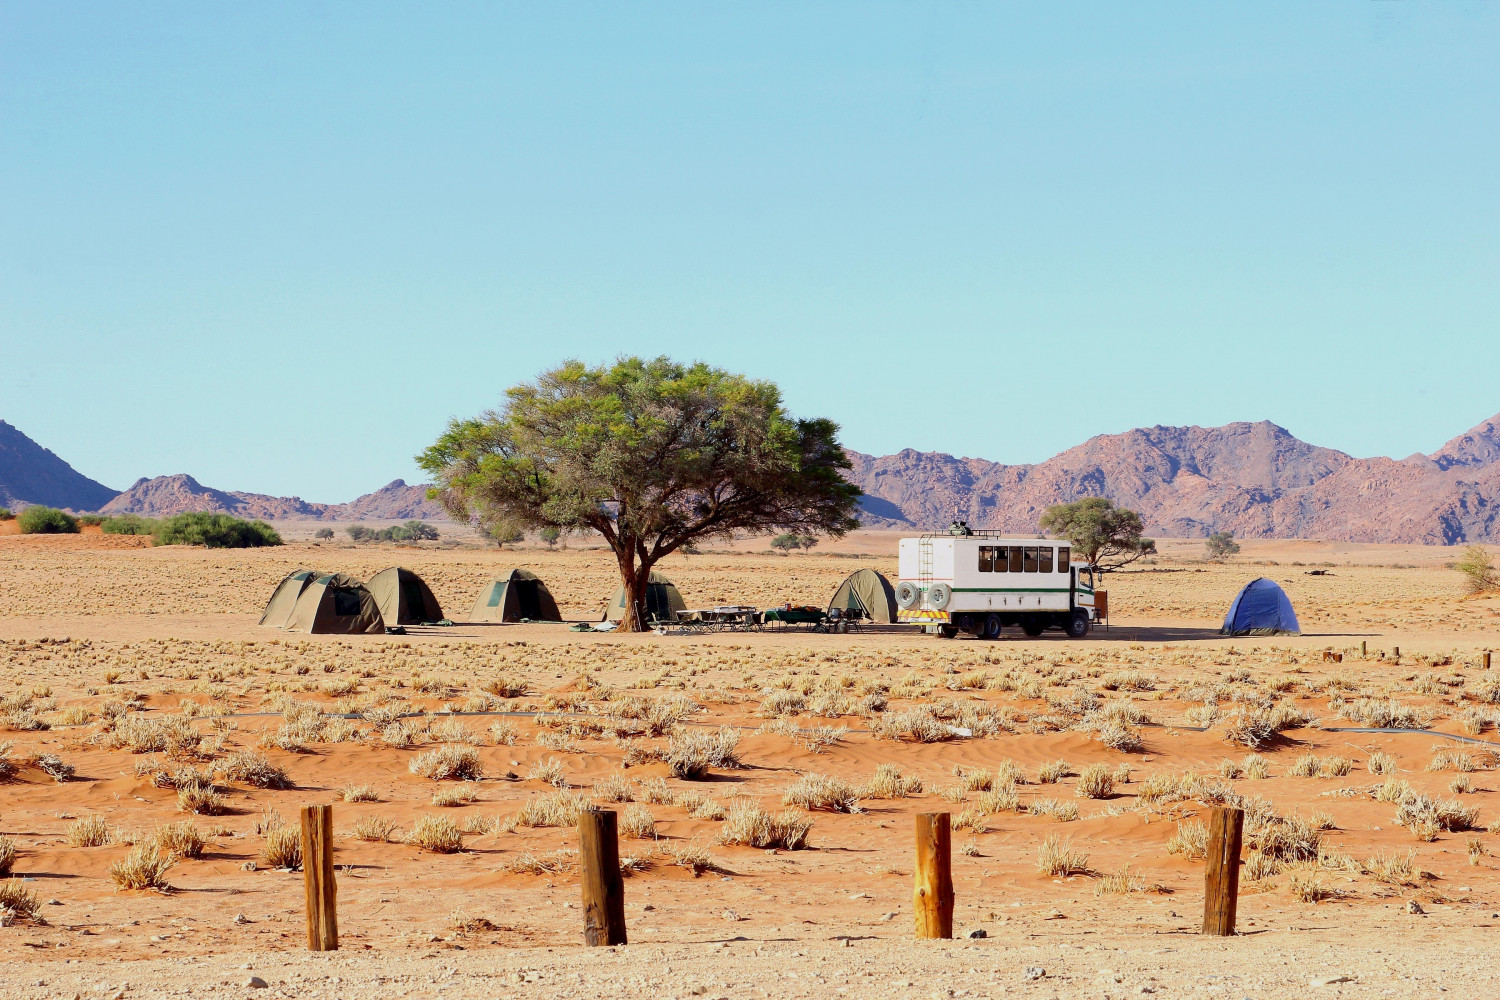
{"points": [[47, 521], [559, 808], [374, 829], [1393, 868], [916, 724], [1285, 839], [90, 520], [1062, 812], [144, 867], [128, 524], [1190, 840], [1220, 546], [15, 897], [1425, 816], [216, 531], [889, 783], [819, 791], [253, 769], [449, 796], [90, 831], [1053, 771], [1056, 857], [1095, 782], [1306, 887], [6, 515], [1477, 568], [323, 534], [1449, 759], [750, 825], [181, 840], [411, 531], [204, 800], [450, 762], [637, 823], [549, 770], [691, 754], [283, 848], [7, 855], [1381, 762], [614, 788], [788, 542]]}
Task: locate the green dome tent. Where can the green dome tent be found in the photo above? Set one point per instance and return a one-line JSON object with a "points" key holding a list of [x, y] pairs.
{"points": [[284, 598], [663, 602], [868, 594], [337, 604], [513, 596], [404, 597]]}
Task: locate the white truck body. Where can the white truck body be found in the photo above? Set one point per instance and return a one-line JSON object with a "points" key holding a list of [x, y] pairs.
{"points": [[961, 581]]}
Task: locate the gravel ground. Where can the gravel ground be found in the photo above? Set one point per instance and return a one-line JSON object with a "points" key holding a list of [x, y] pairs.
{"points": [[1408, 959]]}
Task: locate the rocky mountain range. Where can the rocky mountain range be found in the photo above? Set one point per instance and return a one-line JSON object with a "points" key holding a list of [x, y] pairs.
{"points": [[30, 474], [1255, 480]]}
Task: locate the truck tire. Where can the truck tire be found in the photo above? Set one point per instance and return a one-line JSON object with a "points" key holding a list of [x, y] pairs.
{"points": [[1033, 626], [907, 595], [939, 595], [1078, 625], [947, 631], [991, 627]]}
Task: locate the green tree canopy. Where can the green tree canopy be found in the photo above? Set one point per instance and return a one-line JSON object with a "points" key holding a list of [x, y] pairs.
{"points": [[652, 454], [1105, 535], [1221, 545]]}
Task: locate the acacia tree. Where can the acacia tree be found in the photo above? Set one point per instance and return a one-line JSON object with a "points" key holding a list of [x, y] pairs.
{"points": [[1105, 535], [653, 455]]}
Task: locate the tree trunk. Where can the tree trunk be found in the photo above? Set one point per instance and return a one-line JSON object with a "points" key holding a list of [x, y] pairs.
{"points": [[633, 579]]}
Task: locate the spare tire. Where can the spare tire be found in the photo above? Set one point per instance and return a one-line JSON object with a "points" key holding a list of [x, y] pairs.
{"points": [[938, 595], [907, 595]]}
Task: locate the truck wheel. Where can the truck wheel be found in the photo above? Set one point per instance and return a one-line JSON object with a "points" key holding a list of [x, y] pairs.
{"points": [[991, 627], [1078, 625], [1033, 627], [947, 631]]}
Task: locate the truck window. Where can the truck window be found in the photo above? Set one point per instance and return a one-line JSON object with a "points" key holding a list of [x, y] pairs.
{"points": [[1063, 552], [1030, 559], [986, 559], [1044, 559], [1000, 558], [1015, 558]]}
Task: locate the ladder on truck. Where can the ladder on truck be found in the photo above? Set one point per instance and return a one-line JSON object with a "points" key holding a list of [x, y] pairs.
{"points": [[924, 565]]}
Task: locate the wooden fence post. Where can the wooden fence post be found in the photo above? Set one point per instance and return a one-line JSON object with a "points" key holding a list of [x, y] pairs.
{"points": [[1396, 653], [1486, 659], [1363, 651], [932, 876], [603, 886], [318, 879], [1221, 879]]}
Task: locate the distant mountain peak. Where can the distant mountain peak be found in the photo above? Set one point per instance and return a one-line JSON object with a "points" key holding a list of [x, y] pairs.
{"points": [[164, 496], [31, 474], [1475, 448]]}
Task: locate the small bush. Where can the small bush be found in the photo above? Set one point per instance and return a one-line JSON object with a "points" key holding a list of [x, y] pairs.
{"points": [[374, 829], [691, 754], [143, 868], [47, 521], [15, 897], [283, 848], [204, 800], [180, 840], [7, 855], [451, 762], [1095, 782], [438, 834], [889, 783], [323, 534], [360, 793], [128, 524], [90, 831], [1057, 858], [253, 769], [819, 791], [6, 515], [216, 531], [1190, 840], [1062, 812], [1053, 771], [90, 520], [637, 823], [559, 808], [750, 825]]}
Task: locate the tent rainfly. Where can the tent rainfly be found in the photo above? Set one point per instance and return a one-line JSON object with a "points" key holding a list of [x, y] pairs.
{"points": [[403, 597], [284, 598], [867, 593], [1261, 608], [663, 602], [337, 604], [513, 596]]}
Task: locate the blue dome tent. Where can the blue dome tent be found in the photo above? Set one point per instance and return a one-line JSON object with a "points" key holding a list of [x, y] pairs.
{"points": [[1261, 608]]}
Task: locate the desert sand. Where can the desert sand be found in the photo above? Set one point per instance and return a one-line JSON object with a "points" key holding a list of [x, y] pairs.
{"points": [[142, 670]]}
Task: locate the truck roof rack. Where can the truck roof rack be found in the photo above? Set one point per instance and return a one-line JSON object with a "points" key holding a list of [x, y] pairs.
{"points": [[984, 533]]}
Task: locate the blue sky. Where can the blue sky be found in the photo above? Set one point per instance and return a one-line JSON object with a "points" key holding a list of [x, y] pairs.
{"points": [[277, 246]]}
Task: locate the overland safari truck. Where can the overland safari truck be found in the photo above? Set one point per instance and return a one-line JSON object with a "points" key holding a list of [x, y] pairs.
{"points": [[980, 581]]}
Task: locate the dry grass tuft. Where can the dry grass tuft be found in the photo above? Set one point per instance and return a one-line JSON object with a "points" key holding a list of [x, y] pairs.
{"points": [[253, 769], [90, 831], [374, 829], [889, 783], [144, 867], [449, 762], [7, 855], [637, 823], [1190, 840], [559, 808], [438, 834], [1096, 781], [19, 900], [1057, 858], [819, 791], [751, 826], [359, 793], [283, 848], [179, 840], [691, 754]]}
